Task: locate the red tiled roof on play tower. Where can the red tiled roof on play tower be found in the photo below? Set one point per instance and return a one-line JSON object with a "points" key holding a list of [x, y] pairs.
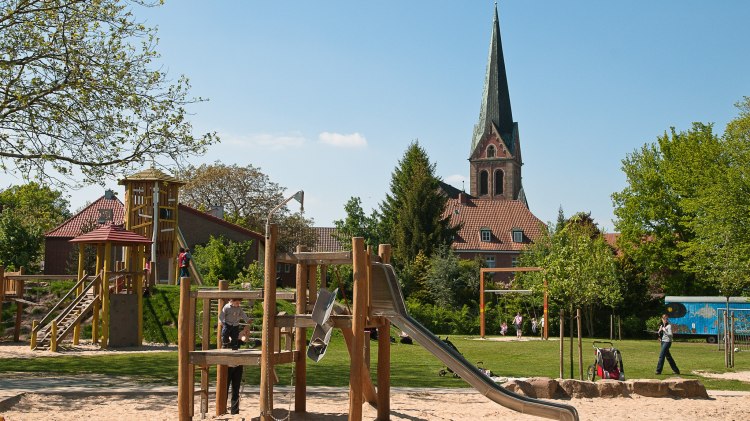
{"points": [[114, 234]]}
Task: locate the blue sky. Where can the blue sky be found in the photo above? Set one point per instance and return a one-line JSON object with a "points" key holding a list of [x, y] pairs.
{"points": [[325, 96]]}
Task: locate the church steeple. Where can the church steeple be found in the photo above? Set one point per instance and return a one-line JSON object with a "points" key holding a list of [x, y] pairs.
{"points": [[495, 108], [495, 156]]}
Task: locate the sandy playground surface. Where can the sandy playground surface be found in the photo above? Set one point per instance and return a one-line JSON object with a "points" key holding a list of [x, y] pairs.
{"points": [[106, 398]]}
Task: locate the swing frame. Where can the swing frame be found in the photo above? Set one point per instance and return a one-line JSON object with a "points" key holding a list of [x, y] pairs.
{"points": [[482, 271]]}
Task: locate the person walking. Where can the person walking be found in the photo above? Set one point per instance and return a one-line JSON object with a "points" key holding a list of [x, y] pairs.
{"points": [[666, 337], [184, 259], [518, 323]]}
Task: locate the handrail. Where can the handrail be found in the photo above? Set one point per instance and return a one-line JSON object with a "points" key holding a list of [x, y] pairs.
{"points": [[46, 318], [72, 305]]}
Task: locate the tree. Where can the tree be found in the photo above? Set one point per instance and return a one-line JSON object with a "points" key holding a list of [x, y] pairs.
{"points": [[221, 258], [411, 215], [356, 224], [654, 212], [247, 195], [20, 245], [452, 282], [80, 92], [36, 205], [578, 265]]}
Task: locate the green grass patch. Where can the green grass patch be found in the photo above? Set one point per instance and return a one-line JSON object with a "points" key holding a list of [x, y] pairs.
{"points": [[413, 366]]}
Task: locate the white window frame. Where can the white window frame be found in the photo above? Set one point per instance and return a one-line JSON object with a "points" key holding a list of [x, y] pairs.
{"points": [[517, 236], [490, 261], [485, 232]]}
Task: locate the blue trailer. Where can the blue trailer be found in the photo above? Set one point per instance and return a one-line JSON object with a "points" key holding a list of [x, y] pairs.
{"points": [[702, 316]]}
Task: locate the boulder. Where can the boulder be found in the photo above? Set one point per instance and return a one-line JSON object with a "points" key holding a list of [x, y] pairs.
{"points": [[570, 388], [612, 388], [686, 388], [651, 388], [520, 387], [544, 387]]}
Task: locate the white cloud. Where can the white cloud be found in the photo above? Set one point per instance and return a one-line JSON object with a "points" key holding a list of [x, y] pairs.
{"points": [[354, 140], [271, 141], [455, 180]]}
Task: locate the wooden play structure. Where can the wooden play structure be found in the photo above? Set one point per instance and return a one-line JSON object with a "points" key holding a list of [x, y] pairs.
{"points": [[151, 210], [291, 328], [482, 291], [13, 290]]}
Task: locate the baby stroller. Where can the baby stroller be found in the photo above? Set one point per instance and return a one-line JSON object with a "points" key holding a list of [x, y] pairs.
{"points": [[608, 363], [445, 370]]}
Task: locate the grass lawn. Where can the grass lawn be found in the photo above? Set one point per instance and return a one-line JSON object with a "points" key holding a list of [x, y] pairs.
{"points": [[412, 366]]}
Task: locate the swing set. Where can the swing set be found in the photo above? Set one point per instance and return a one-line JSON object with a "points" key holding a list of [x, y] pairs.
{"points": [[482, 291]]}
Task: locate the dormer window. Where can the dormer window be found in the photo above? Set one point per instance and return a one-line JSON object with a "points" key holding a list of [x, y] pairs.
{"points": [[517, 235], [490, 151], [105, 216], [485, 234]]}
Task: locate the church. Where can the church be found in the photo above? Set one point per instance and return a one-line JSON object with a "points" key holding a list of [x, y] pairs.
{"points": [[496, 221]]}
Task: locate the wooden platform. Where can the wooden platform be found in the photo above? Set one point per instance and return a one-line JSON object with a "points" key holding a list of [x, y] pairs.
{"points": [[236, 357]]}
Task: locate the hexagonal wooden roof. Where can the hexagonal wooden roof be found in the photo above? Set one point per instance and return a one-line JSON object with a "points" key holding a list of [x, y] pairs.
{"points": [[113, 234]]}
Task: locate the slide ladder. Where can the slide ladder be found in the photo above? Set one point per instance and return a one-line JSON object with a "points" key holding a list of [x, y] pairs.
{"points": [[388, 301], [81, 305]]}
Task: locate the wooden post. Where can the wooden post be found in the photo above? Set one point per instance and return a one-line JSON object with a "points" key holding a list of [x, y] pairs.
{"points": [[580, 345], [191, 347], [359, 273], [138, 280], [222, 372], [34, 324], [481, 304], [105, 295], [302, 284], [545, 328], [611, 326], [384, 352], [731, 340], [184, 374], [323, 276], [562, 341], [269, 325], [53, 337], [81, 255], [312, 286], [2, 289], [205, 342], [19, 309]]}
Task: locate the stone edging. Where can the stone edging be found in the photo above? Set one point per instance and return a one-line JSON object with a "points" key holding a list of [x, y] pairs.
{"points": [[544, 387]]}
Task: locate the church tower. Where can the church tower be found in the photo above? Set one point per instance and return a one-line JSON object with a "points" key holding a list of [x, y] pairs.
{"points": [[495, 156]]}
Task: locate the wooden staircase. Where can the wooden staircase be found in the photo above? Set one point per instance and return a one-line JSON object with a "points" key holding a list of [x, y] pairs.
{"points": [[81, 305]]}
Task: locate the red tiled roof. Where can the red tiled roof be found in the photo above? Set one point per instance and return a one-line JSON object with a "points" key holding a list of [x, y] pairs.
{"points": [[326, 240], [501, 217], [90, 214], [115, 234]]}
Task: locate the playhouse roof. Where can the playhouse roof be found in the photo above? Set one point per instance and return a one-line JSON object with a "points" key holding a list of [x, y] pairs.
{"points": [[114, 234], [151, 174]]}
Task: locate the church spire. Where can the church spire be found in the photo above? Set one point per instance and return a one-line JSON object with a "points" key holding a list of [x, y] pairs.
{"points": [[495, 108]]}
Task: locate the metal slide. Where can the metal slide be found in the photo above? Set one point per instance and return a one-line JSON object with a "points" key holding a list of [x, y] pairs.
{"points": [[388, 301]]}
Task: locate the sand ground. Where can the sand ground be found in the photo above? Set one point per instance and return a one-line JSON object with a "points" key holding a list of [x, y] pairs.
{"points": [[105, 398]]}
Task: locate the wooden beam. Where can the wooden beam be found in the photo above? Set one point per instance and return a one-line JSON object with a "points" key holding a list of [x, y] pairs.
{"points": [[300, 367], [241, 294], [184, 375]]}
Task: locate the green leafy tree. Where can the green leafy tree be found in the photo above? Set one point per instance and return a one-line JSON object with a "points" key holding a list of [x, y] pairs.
{"points": [[36, 205], [356, 224], [20, 245], [80, 91], [653, 212], [221, 258], [578, 265], [411, 215], [452, 282]]}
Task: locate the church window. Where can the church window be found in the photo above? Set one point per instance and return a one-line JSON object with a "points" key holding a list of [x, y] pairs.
{"points": [[499, 182], [486, 235], [490, 151], [483, 182]]}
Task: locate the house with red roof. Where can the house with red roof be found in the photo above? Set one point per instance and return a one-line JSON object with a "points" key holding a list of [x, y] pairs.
{"points": [[197, 227]]}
